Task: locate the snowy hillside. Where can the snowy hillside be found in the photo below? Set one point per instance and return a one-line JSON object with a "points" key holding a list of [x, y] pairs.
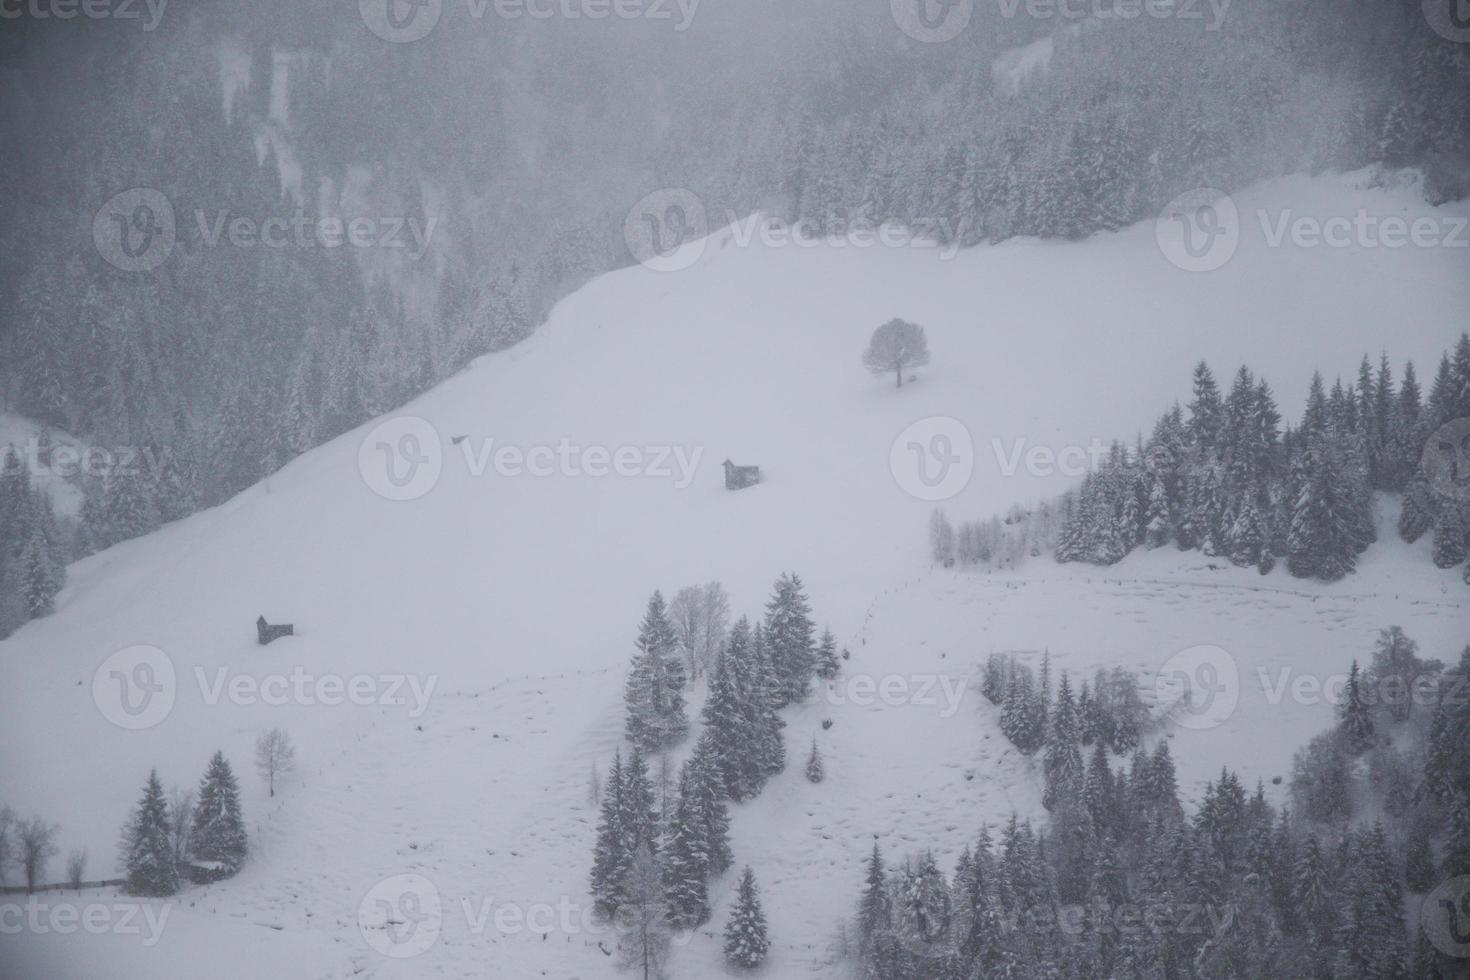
{"points": [[497, 606]]}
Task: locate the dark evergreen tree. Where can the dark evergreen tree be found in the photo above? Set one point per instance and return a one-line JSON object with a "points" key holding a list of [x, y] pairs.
{"points": [[789, 636], [828, 666], [217, 834], [654, 690], [1063, 763], [147, 845], [1354, 717], [686, 861], [610, 860], [815, 772], [746, 942]]}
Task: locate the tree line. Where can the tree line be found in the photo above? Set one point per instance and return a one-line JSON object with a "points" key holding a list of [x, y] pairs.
{"points": [[655, 856], [1223, 477], [1124, 880]]}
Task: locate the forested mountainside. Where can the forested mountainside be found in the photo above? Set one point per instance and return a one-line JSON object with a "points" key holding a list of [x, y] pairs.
{"points": [[503, 183]]}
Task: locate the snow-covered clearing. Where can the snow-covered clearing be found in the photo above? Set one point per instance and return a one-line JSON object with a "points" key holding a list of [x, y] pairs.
{"points": [[512, 601]]}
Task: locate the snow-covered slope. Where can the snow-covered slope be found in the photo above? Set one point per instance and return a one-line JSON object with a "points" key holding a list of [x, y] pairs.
{"points": [[517, 597]]}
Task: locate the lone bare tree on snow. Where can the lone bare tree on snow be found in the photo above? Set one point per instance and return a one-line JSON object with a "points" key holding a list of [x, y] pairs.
{"points": [[274, 756], [37, 846], [76, 867], [7, 840], [896, 346]]}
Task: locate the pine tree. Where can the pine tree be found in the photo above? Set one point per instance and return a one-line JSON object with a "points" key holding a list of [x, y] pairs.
{"points": [[708, 791], [828, 666], [1451, 543], [1063, 762], [1321, 543], [686, 858], [746, 943], [42, 580], [1355, 719], [814, 771], [728, 718], [875, 910], [1158, 516], [147, 846], [610, 859], [789, 639], [218, 830], [654, 690], [1419, 873], [1456, 860], [639, 818]]}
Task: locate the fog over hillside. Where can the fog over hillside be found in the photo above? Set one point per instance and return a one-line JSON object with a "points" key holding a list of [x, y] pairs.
{"points": [[884, 489]]}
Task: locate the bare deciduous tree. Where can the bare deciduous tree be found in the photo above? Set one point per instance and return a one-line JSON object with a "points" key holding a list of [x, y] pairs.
{"points": [[76, 867], [274, 756], [895, 347], [37, 846], [701, 618], [180, 821], [7, 840]]}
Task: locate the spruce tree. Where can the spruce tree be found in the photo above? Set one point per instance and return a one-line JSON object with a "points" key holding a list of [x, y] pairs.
{"points": [[686, 858], [746, 943], [875, 911], [218, 830], [1063, 762], [789, 639], [147, 845], [814, 770], [610, 860], [1456, 859], [828, 666], [654, 690], [1321, 542], [728, 719], [639, 818], [42, 580], [1354, 717], [708, 791], [1451, 541]]}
